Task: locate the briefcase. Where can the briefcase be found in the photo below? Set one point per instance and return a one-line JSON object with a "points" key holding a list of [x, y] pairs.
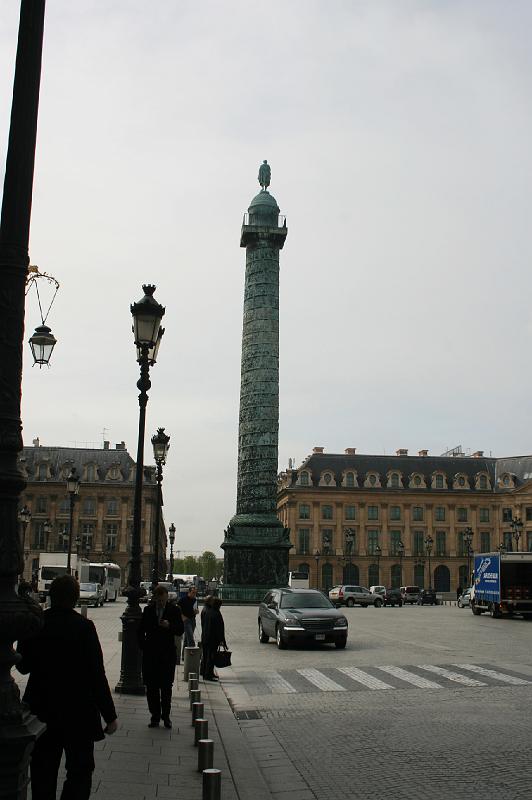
{"points": [[222, 659]]}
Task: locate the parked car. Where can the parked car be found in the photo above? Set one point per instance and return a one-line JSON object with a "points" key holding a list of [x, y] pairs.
{"points": [[464, 599], [300, 615], [91, 594], [427, 597], [354, 596], [145, 588], [392, 597], [377, 589], [410, 594]]}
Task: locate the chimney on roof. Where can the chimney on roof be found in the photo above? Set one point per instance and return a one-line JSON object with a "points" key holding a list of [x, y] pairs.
{"points": [[478, 454], [36, 442], [106, 445], [318, 449], [120, 446], [401, 452], [350, 451], [423, 453]]}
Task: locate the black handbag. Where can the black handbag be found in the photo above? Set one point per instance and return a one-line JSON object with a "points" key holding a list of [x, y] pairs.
{"points": [[222, 658]]}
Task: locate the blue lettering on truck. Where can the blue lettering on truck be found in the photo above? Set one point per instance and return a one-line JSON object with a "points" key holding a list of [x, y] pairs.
{"points": [[487, 577]]}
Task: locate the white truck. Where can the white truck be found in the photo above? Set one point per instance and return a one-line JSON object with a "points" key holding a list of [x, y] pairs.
{"points": [[51, 565]]}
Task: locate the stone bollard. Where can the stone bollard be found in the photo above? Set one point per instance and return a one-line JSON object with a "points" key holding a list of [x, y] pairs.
{"points": [[205, 754], [197, 712], [191, 662], [212, 784], [193, 683], [201, 729], [194, 696]]}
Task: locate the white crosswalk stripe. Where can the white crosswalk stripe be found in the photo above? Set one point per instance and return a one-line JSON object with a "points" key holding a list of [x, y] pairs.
{"points": [[491, 673], [320, 680], [411, 677], [364, 678], [451, 676], [277, 683]]}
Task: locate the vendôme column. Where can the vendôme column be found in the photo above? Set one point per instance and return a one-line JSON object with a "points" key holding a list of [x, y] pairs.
{"points": [[256, 543]]}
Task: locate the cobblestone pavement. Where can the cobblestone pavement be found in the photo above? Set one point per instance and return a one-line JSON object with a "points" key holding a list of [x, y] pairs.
{"points": [[424, 702]]}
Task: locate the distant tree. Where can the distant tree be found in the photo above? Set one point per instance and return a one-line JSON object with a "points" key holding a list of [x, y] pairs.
{"points": [[207, 565], [190, 565]]}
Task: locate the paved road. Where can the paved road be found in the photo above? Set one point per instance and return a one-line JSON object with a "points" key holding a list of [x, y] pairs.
{"points": [[423, 702]]}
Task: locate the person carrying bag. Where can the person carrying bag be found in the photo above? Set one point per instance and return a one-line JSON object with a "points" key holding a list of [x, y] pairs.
{"points": [[214, 637]]}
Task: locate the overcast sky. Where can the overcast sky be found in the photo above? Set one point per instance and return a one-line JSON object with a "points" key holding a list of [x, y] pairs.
{"points": [[399, 139]]}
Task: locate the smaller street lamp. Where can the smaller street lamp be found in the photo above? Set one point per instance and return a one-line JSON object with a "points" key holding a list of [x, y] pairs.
{"points": [[73, 483], [401, 552], [47, 527], [317, 556], [161, 445], [378, 553], [24, 517], [429, 541], [42, 344], [171, 538], [517, 527], [501, 548], [468, 538]]}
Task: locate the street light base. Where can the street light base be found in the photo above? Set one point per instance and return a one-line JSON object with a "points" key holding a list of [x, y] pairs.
{"points": [[16, 744], [131, 665]]}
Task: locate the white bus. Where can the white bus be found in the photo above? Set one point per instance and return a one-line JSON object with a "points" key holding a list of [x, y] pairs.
{"points": [[298, 580], [109, 576]]}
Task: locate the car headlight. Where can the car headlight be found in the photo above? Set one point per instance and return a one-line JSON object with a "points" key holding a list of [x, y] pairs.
{"points": [[292, 622], [341, 622]]}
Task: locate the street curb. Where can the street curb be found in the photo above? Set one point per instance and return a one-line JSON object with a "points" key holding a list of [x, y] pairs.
{"points": [[247, 777]]}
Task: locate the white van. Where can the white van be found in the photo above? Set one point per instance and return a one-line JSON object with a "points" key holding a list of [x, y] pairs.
{"points": [[298, 580]]}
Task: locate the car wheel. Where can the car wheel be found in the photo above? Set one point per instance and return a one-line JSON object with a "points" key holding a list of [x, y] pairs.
{"points": [[494, 611], [340, 644], [476, 611], [281, 644], [400, 603], [350, 602], [378, 603], [460, 604], [263, 637]]}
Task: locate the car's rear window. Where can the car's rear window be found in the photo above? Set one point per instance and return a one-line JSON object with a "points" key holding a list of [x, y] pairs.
{"points": [[412, 589]]}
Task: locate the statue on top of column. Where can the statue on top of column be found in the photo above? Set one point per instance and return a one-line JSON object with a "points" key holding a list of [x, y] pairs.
{"points": [[265, 175]]}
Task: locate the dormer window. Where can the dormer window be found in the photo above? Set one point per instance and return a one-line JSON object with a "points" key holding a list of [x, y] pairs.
{"points": [[327, 479], [350, 480], [114, 472], [394, 480], [460, 481], [90, 473], [372, 480], [439, 481], [483, 482], [304, 479]]}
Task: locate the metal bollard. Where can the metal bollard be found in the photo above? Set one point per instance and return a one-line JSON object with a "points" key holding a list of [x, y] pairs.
{"points": [[195, 696], [191, 662], [212, 784], [197, 712], [201, 729], [205, 754], [193, 683]]}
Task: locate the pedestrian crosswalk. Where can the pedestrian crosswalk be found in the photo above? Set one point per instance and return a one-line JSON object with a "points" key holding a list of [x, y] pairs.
{"points": [[377, 678]]}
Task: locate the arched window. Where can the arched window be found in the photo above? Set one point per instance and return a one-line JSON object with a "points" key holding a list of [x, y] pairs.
{"points": [[394, 480], [351, 574], [304, 479], [90, 472], [395, 576], [373, 575], [326, 577], [483, 482], [304, 568], [350, 480], [42, 472], [438, 482], [442, 579], [419, 576]]}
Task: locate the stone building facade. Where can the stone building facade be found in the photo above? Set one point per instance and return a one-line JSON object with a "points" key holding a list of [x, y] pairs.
{"points": [[367, 519], [103, 509]]}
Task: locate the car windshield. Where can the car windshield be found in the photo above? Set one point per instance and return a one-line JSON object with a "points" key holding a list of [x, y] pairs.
{"points": [[306, 600], [88, 587]]}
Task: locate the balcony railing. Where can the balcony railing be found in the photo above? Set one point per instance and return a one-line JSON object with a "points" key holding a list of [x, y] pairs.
{"points": [[281, 220]]}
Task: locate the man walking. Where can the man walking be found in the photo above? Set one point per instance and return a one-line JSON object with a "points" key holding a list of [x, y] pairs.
{"points": [[189, 609], [67, 688], [160, 624]]}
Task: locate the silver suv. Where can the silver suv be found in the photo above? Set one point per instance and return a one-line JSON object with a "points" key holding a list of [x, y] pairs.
{"points": [[354, 595]]}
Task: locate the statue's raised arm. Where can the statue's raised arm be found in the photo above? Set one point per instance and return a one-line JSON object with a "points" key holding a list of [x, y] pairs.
{"points": [[265, 175]]}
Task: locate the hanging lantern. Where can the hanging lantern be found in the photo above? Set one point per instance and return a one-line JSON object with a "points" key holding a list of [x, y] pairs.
{"points": [[42, 344]]}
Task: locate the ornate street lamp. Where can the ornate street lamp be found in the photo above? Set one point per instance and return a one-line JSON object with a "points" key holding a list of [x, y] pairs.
{"points": [[468, 538], [147, 315], [161, 446], [401, 552], [24, 517], [42, 344], [501, 548], [73, 483], [171, 538], [378, 553], [48, 528], [429, 541], [317, 556], [517, 527]]}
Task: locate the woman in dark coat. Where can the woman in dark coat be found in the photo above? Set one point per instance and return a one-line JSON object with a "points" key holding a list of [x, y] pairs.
{"points": [[161, 622], [213, 635], [205, 611]]}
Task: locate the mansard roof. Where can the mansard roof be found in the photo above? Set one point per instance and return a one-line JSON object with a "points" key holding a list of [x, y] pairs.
{"points": [[79, 457]]}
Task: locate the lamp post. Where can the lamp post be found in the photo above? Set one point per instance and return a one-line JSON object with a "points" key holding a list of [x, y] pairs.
{"points": [[517, 527], [429, 541], [171, 537], [161, 446], [378, 553], [73, 483], [317, 556], [401, 549], [468, 538], [24, 517], [18, 728], [147, 315], [501, 548], [349, 546], [48, 528]]}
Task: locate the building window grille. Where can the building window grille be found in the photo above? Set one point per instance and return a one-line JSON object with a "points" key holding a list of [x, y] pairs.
{"points": [[373, 542], [41, 505], [303, 541], [304, 479], [507, 541], [326, 512], [482, 482], [111, 537], [395, 540], [419, 547], [441, 549], [395, 512], [304, 511], [89, 507], [439, 514], [373, 512], [417, 513], [394, 481], [350, 512], [350, 480], [484, 514], [485, 544], [39, 536], [507, 515], [528, 513], [461, 514], [438, 482], [112, 507], [87, 535]]}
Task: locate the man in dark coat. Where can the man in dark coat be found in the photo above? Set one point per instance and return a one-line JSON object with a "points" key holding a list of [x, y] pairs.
{"points": [[213, 635], [160, 624], [68, 690]]}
